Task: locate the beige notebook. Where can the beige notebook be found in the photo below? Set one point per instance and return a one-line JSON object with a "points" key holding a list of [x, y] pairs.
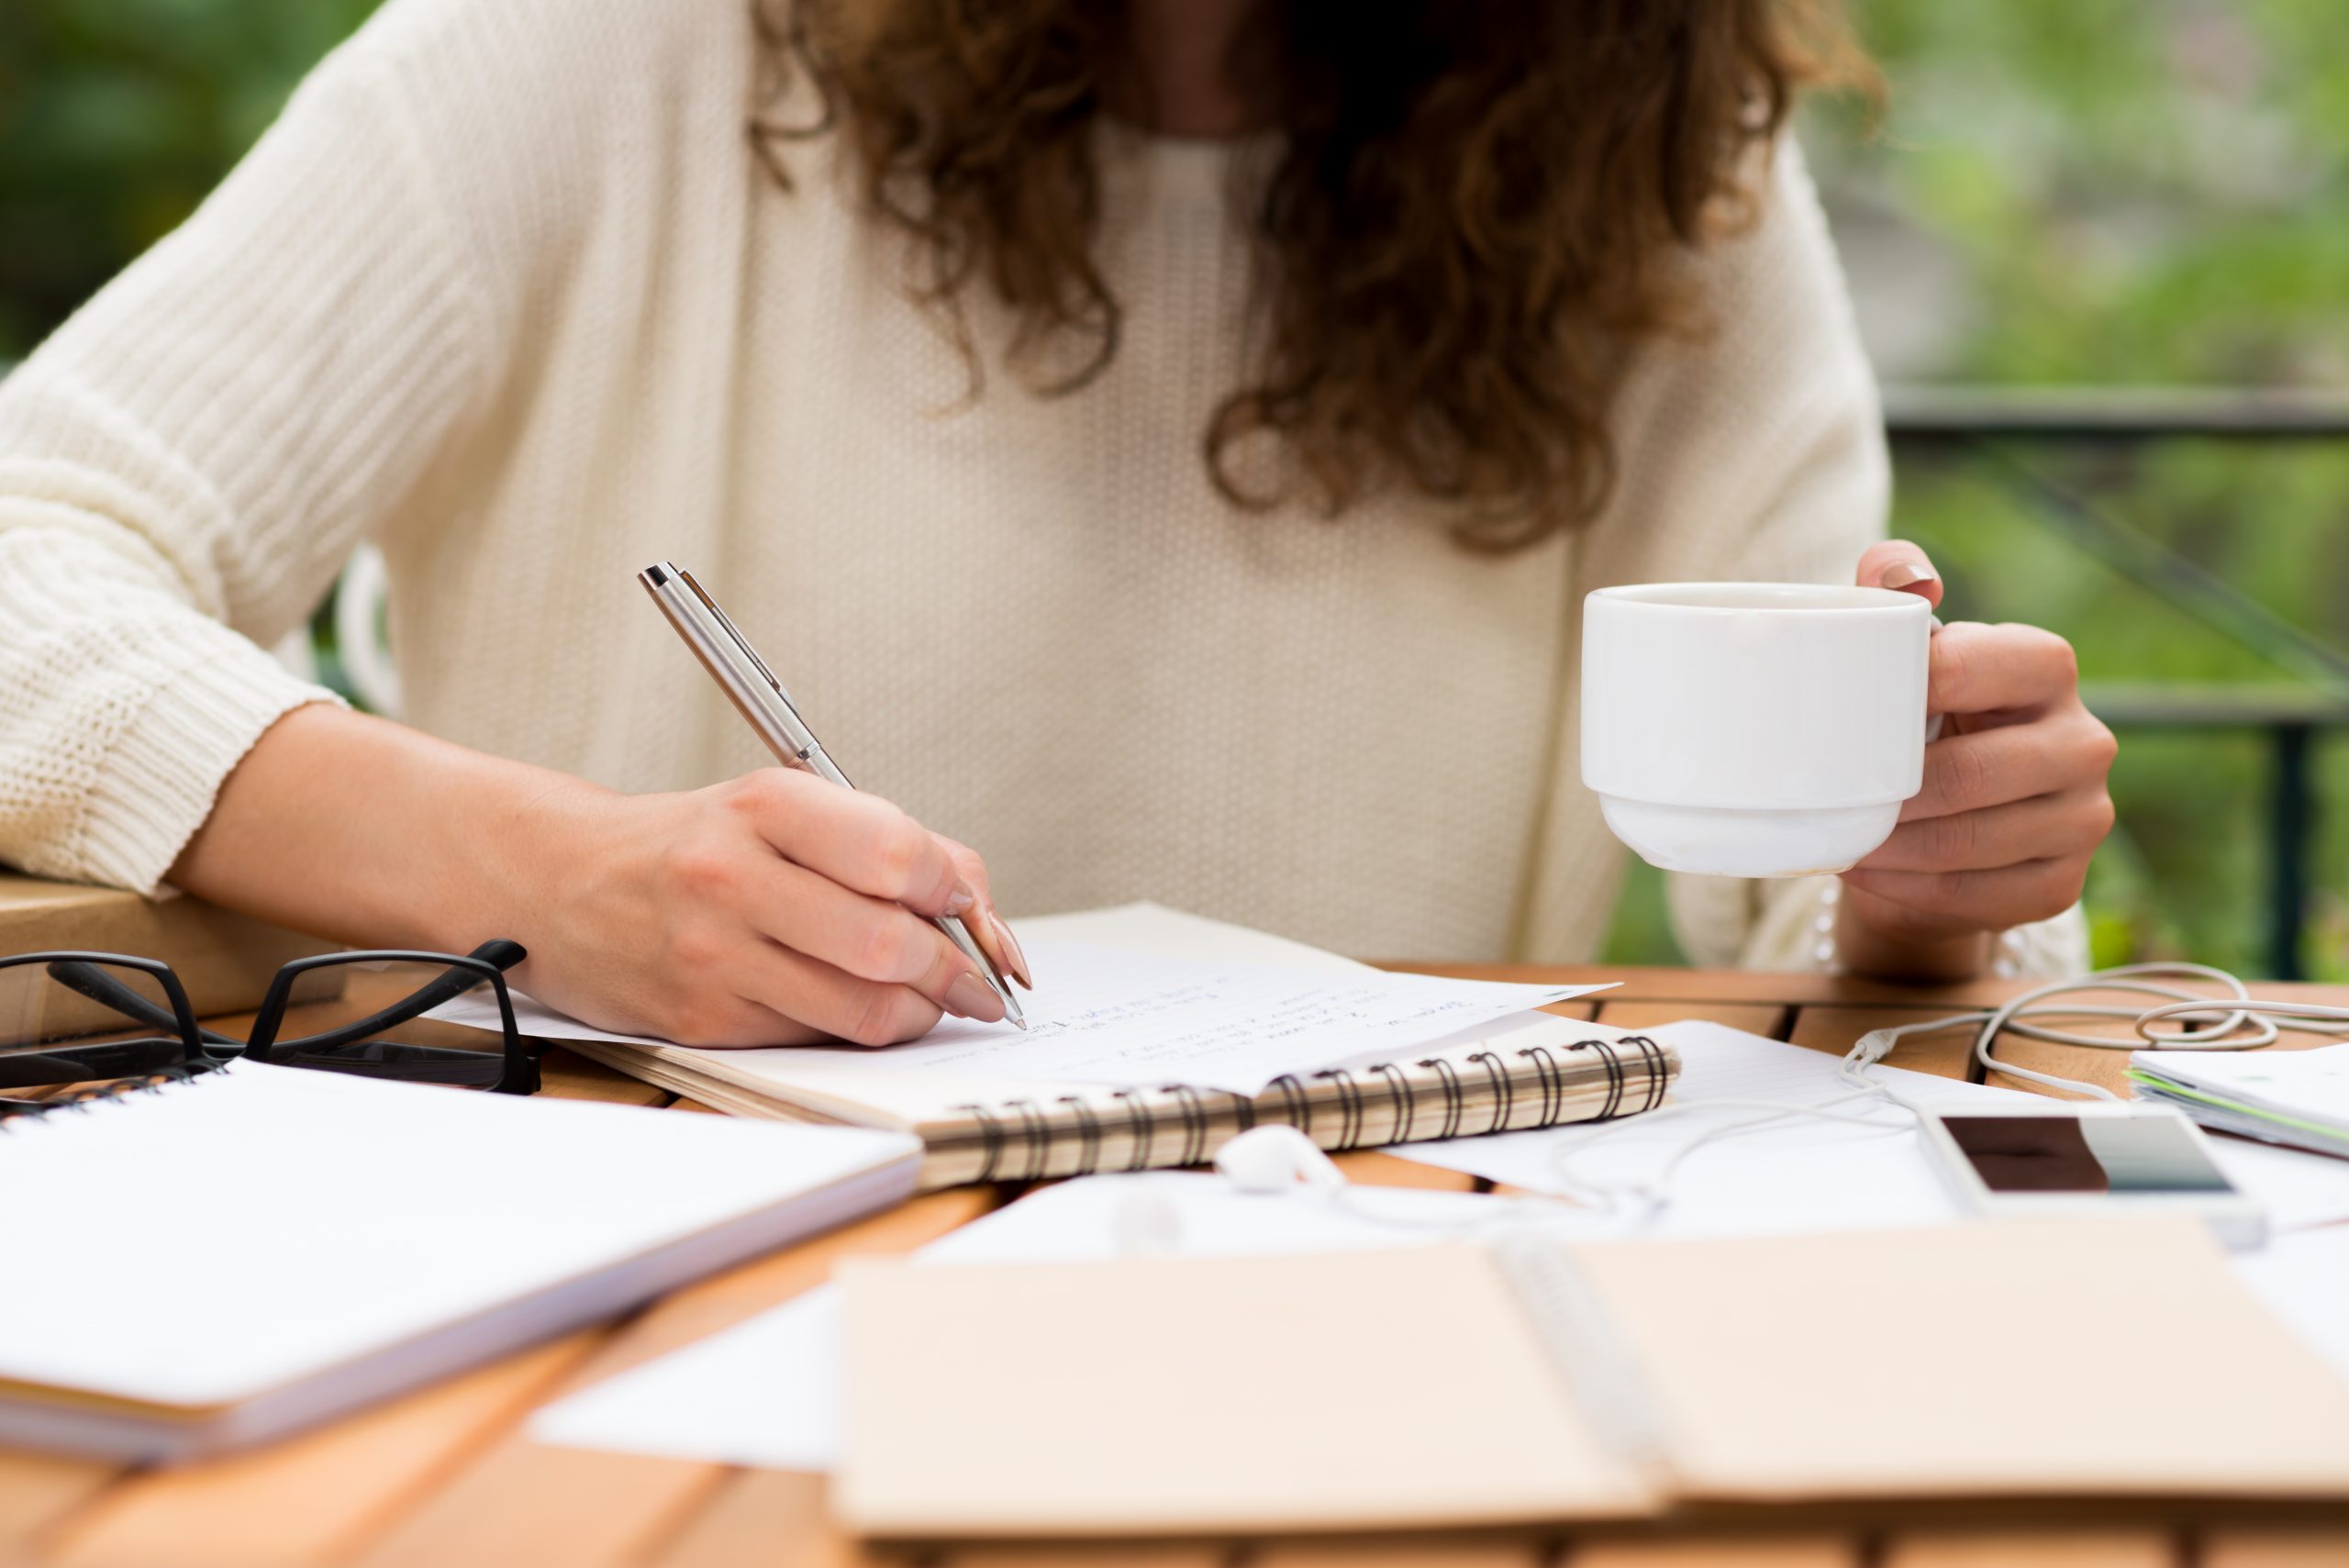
{"points": [[1534, 1381], [225, 959]]}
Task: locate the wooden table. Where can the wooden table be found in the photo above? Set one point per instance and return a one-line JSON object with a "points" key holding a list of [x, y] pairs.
{"points": [[448, 1478]]}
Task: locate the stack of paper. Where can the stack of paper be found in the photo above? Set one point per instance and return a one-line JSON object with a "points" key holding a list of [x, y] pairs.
{"points": [[2300, 1098]]}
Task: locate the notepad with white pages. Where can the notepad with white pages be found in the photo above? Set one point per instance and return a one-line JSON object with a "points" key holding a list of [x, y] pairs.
{"points": [[2298, 1098], [1158, 1035], [218, 1261]]}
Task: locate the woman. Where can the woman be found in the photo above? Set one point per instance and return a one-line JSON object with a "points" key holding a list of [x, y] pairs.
{"points": [[1164, 443]]}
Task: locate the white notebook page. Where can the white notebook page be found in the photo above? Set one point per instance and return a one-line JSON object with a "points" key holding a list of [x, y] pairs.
{"points": [[1122, 1016], [214, 1240]]}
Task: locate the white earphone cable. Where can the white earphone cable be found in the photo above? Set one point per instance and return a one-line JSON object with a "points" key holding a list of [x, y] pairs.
{"points": [[2234, 1021]]}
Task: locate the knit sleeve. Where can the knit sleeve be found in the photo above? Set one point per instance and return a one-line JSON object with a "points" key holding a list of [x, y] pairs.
{"points": [[187, 462]]}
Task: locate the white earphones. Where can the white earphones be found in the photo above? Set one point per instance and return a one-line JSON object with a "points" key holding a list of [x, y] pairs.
{"points": [[1276, 1158]]}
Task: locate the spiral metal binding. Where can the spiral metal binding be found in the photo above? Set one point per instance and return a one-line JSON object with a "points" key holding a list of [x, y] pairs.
{"points": [[1294, 1101], [1036, 1129], [1088, 1135], [1456, 1099], [1195, 1121], [1501, 1086], [1401, 1090], [1039, 1129], [1614, 1065], [1657, 1065], [113, 1092], [1144, 1125], [1553, 1081], [991, 1133], [1349, 1106]]}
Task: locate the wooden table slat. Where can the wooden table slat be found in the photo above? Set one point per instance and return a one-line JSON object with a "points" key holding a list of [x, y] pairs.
{"points": [[1719, 1552], [572, 1077], [1374, 1168], [316, 1499], [2058, 1547], [1755, 1018], [765, 1518], [2251, 1547], [38, 1489], [1108, 1554], [580, 1506], [1407, 1551], [1836, 1029]]}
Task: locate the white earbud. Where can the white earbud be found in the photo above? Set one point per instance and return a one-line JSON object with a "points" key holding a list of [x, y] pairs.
{"points": [[1277, 1159]]}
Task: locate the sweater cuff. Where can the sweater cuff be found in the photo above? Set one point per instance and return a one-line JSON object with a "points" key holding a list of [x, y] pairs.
{"points": [[157, 782]]}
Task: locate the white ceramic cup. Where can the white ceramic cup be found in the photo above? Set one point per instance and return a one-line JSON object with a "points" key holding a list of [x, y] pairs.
{"points": [[1754, 729]]}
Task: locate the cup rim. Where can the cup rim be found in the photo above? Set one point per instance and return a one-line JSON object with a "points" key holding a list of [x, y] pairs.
{"points": [[1846, 599]]}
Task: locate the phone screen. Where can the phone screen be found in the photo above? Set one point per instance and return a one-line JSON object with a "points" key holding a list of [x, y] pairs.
{"points": [[2085, 1154]]}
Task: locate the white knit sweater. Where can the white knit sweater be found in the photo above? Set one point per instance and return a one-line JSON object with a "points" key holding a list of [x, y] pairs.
{"points": [[505, 291]]}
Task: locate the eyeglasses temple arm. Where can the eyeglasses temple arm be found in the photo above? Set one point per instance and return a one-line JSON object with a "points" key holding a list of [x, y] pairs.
{"points": [[93, 982], [499, 952]]}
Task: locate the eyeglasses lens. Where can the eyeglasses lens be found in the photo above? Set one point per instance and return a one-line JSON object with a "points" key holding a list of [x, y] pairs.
{"points": [[354, 1018], [73, 1021]]}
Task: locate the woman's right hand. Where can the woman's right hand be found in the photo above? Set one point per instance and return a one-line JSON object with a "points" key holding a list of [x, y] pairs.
{"points": [[774, 909]]}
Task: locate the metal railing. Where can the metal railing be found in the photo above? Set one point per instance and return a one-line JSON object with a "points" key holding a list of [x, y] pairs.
{"points": [[1995, 426]]}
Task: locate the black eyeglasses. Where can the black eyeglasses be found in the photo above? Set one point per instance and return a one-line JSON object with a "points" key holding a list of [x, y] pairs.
{"points": [[81, 1017]]}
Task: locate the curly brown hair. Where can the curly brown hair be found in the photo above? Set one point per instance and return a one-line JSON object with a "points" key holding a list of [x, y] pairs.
{"points": [[1477, 205]]}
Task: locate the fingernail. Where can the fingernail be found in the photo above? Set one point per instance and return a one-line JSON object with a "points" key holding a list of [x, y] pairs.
{"points": [[961, 898], [1906, 574], [1018, 960], [972, 998]]}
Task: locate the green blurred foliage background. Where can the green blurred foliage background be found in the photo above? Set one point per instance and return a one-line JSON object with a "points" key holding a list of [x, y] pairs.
{"points": [[2100, 191]]}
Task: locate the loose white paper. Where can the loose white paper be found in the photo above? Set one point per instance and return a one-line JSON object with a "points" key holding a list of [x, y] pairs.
{"points": [[767, 1392], [2303, 1278], [1110, 1015], [1807, 1173], [1802, 1174]]}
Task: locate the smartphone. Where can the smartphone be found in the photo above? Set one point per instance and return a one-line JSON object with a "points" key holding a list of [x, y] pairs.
{"points": [[2098, 1158]]}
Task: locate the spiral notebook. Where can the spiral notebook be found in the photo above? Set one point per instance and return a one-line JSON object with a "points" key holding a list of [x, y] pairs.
{"points": [[219, 1260], [1521, 1069]]}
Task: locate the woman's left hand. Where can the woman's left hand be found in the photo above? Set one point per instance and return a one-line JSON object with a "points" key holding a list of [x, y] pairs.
{"points": [[2013, 803]]}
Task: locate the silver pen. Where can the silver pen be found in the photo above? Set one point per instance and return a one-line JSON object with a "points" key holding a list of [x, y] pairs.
{"points": [[736, 666]]}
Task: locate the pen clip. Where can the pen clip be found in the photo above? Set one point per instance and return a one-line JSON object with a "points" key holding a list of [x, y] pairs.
{"points": [[742, 643]]}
